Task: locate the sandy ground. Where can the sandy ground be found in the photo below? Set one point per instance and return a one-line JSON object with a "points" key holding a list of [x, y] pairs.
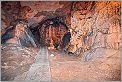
{"points": [[104, 67], [53, 65]]}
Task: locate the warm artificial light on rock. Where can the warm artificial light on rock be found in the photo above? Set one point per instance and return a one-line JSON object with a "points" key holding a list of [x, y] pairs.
{"points": [[82, 37]]}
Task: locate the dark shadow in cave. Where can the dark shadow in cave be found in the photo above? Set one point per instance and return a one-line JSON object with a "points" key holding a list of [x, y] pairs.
{"points": [[27, 39], [35, 32], [39, 31], [7, 35], [10, 30]]}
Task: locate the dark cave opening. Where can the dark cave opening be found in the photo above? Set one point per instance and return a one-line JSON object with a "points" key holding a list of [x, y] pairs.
{"points": [[50, 32]]}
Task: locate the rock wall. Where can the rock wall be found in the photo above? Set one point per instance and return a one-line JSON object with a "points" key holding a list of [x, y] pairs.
{"points": [[92, 24], [9, 12], [34, 12], [42, 10], [95, 24]]}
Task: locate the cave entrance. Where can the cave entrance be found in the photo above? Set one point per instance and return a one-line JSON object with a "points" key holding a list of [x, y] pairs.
{"points": [[52, 31]]}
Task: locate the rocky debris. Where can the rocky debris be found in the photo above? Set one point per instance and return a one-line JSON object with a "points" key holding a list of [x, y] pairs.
{"points": [[15, 60]]}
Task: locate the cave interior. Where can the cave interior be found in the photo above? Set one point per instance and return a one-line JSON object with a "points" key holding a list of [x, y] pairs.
{"points": [[65, 39]]}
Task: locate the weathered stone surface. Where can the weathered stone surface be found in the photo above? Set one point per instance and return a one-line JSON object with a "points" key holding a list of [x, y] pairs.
{"points": [[40, 10], [20, 34], [97, 28], [34, 12], [9, 12], [15, 60], [81, 17], [95, 37]]}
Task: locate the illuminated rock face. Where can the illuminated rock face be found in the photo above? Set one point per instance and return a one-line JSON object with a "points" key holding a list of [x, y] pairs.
{"points": [[42, 10], [36, 12], [95, 38], [96, 25], [53, 35], [92, 24]]}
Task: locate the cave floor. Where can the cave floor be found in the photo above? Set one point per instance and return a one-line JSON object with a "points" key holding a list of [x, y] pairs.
{"points": [[62, 67]]}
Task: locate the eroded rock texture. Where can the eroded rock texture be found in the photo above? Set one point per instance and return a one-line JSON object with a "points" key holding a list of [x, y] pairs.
{"points": [[50, 20], [37, 15], [92, 24], [9, 12], [95, 36], [95, 24]]}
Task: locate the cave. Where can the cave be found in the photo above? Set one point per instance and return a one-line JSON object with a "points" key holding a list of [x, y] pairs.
{"points": [[60, 40]]}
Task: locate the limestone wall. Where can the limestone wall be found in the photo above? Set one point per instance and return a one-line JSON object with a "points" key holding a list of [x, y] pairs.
{"points": [[95, 24], [92, 24], [42, 10]]}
